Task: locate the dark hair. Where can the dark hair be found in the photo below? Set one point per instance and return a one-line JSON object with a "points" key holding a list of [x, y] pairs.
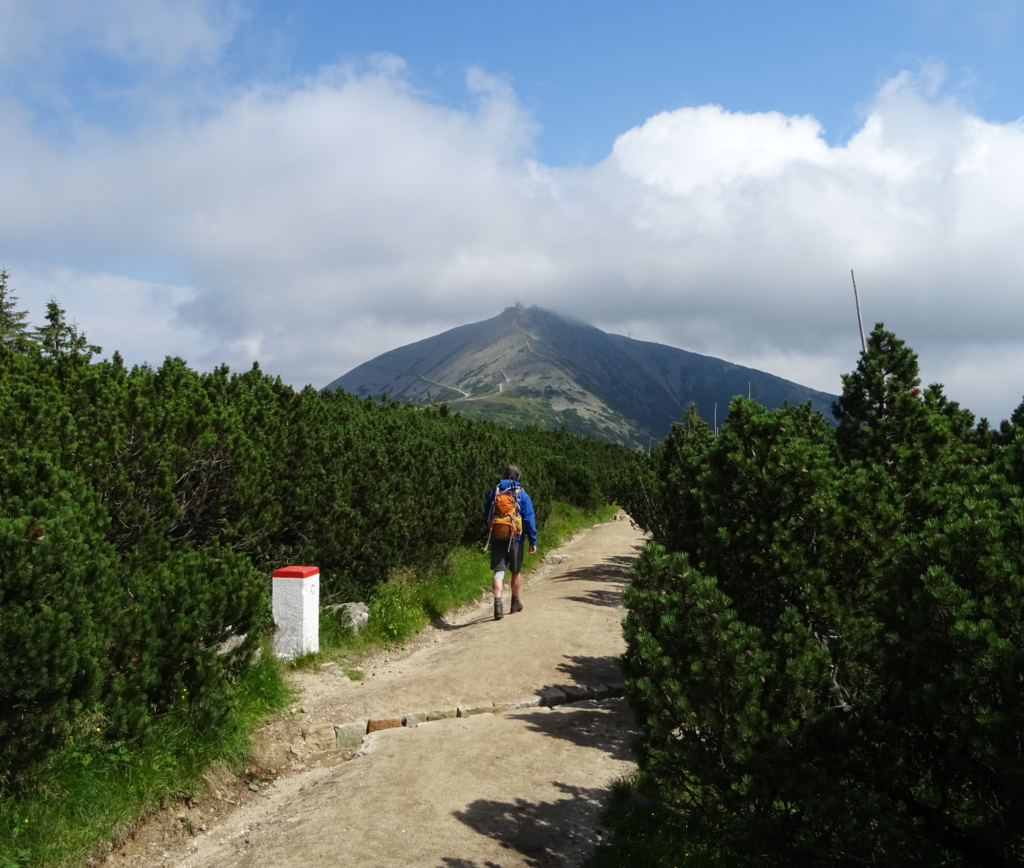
{"points": [[511, 472]]}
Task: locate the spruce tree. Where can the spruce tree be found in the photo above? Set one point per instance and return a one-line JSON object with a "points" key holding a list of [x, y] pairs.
{"points": [[14, 332], [60, 338]]}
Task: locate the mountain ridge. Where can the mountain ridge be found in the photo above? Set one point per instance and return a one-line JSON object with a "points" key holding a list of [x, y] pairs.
{"points": [[529, 365]]}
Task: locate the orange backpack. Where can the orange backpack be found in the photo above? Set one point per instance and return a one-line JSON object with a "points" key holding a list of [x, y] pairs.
{"points": [[506, 522]]}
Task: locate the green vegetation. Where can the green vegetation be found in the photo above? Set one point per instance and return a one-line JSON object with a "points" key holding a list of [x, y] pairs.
{"points": [[647, 832], [142, 512], [91, 787], [825, 639], [528, 407]]}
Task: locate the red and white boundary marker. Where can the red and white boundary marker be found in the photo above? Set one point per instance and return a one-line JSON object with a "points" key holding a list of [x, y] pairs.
{"points": [[296, 611]]}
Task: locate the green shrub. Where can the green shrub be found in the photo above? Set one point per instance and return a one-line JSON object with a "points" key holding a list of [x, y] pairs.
{"points": [[826, 639], [58, 595]]}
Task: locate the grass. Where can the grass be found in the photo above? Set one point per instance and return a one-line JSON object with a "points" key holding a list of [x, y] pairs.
{"points": [[90, 790], [649, 834]]}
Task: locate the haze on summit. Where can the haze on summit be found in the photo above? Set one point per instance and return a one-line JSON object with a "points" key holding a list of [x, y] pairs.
{"points": [[311, 184]]}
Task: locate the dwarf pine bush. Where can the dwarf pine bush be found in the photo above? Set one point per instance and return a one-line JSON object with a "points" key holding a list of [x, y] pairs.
{"points": [[143, 510], [826, 637]]}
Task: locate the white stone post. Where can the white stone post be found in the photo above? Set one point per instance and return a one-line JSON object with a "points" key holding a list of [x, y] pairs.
{"points": [[296, 611]]}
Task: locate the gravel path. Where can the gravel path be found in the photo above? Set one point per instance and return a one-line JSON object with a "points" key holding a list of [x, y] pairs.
{"points": [[521, 788]]}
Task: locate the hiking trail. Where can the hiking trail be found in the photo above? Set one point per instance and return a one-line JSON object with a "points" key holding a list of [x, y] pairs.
{"points": [[522, 787]]}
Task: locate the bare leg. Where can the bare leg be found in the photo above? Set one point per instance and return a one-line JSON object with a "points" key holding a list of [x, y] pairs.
{"points": [[517, 581]]}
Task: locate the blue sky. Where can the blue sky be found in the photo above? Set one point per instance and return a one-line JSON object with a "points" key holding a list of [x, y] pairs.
{"points": [[179, 173], [587, 71]]}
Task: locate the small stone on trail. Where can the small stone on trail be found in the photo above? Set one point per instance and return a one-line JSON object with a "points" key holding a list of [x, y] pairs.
{"points": [[550, 696], [601, 691], [414, 718], [383, 723], [323, 737], [532, 702], [477, 708], [350, 734], [576, 692], [443, 714]]}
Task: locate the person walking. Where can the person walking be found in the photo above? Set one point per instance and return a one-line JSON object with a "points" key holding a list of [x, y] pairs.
{"points": [[509, 515]]}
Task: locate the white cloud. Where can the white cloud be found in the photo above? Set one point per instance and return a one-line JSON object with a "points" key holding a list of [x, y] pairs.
{"points": [[163, 33], [320, 224]]}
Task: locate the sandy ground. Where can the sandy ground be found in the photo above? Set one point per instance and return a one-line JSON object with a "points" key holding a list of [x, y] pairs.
{"points": [[522, 788]]}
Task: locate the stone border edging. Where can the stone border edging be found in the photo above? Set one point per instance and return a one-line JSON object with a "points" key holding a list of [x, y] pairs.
{"points": [[348, 736]]}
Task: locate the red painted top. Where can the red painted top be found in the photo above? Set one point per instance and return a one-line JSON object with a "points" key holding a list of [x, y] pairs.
{"points": [[296, 572]]}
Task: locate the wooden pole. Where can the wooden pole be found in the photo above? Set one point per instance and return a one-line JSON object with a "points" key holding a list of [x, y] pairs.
{"points": [[716, 418], [860, 319]]}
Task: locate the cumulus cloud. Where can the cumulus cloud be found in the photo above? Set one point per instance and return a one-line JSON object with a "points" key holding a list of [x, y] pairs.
{"points": [[316, 225]]}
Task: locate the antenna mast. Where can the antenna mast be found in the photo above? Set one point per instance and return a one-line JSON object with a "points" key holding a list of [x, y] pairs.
{"points": [[860, 319]]}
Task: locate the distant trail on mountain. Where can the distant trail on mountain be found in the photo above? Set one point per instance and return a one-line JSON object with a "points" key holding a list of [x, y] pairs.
{"points": [[531, 366]]}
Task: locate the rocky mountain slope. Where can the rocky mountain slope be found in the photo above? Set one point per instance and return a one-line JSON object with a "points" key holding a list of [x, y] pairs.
{"points": [[529, 365]]}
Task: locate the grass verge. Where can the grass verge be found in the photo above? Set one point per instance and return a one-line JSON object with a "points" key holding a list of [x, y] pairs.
{"points": [[402, 607], [90, 791]]}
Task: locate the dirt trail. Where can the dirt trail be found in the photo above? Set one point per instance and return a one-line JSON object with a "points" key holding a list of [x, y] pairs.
{"points": [[522, 788]]}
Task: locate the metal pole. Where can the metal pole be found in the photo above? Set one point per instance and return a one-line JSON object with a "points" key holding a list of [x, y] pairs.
{"points": [[860, 319]]}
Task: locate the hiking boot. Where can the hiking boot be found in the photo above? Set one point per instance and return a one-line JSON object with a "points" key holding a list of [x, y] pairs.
{"points": [[515, 607], [498, 612]]}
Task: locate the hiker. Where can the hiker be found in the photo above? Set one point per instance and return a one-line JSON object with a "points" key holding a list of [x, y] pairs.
{"points": [[509, 514]]}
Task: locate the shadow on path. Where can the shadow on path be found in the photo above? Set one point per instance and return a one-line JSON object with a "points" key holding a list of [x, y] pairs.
{"points": [[547, 834], [607, 726], [612, 572], [591, 670]]}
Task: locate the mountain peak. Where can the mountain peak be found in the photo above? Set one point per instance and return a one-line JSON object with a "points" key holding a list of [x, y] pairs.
{"points": [[529, 365]]}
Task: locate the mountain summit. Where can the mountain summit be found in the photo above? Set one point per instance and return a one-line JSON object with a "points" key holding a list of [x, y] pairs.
{"points": [[529, 365]]}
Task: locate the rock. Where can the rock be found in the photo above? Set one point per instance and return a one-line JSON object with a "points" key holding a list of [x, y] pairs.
{"points": [[443, 714], [502, 707], [601, 691], [532, 702], [477, 708], [349, 735], [586, 703], [231, 643], [414, 718], [553, 559], [355, 614], [615, 688], [323, 737], [576, 692], [325, 665], [379, 723], [550, 696]]}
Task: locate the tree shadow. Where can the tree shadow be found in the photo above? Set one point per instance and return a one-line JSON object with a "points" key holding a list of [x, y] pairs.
{"points": [[612, 572], [606, 726], [546, 834], [591, 670]]}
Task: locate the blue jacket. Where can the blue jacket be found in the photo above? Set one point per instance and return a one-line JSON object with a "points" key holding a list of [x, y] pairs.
{"points": [[525, 510]]}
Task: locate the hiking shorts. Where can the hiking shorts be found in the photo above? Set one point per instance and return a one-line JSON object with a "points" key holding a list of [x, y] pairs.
{"points": [[507, 555]]}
